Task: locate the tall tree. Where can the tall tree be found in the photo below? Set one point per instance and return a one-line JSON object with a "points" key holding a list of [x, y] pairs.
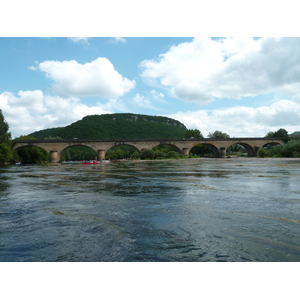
{"points": [[193, 133], [280, 133], [5, 136], [6, 151], [218, 135]]}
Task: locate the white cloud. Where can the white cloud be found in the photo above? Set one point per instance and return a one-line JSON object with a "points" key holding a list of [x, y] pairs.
{"points": [[79, 39], [114, 105], [97, 78], [142, 101], [244, 121], [118, 40], [157, 96], [32, 110], [204, 69]]}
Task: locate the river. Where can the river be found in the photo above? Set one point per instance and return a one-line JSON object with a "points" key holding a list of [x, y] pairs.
{"points": [[193, 210]]}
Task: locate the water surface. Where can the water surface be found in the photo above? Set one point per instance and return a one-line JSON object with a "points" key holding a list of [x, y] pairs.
{"points": [[195, 210]]}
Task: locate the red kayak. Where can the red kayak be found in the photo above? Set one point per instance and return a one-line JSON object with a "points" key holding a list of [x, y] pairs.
{"points": [[92, 162]]}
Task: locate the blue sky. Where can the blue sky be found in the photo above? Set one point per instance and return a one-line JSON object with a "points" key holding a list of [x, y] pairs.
{"points": [[241, 86], [237, 84]]}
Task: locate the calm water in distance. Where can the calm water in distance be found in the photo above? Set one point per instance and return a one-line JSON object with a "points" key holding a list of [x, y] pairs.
{"points": [[196, 210]]}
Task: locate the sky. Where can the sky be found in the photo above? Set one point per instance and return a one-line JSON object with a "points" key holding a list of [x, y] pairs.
{"points": [[243, 86], [211, 69]]}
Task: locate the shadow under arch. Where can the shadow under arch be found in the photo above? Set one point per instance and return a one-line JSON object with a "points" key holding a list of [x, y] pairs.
{"points": [[77, 153], [270, 144], [122, 151], [203, 149], [169, 146], [30, 154], [251, 152]]}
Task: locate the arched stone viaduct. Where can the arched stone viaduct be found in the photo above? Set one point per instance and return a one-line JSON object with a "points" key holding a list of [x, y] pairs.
{"points": [[218, 146]]}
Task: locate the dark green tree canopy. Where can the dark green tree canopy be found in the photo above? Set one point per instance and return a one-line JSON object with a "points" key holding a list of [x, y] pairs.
{"points": [[218, 135], [5, 136], [122, 126], [193, 133], [280, 133]]}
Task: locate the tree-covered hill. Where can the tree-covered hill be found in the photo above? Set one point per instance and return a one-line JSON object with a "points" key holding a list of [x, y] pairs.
{"points": [[117, 126], [295, 134]]}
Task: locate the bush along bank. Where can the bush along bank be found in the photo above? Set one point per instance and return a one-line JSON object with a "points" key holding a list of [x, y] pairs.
{"points": [[290, 149]]}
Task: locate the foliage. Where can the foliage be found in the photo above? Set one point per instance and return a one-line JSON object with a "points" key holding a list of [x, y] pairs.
{"points": [[280, 133], [290, 149], [122, 151], [117, 126], [6, 150], [218, 135], [193, 133], [200, 150], [147, 154], [6, 153], [296, 133], [33, 154], [26, 137], [78, 153], [53, 138], [173, 154], [5, 135], [236, 149]]}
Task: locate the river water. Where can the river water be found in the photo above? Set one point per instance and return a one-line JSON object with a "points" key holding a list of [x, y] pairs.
{"points": [[196, 210]]}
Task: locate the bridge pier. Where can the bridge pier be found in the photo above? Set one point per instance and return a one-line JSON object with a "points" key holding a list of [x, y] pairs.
{"points": [[185, 151], [256, 148], [101, 155], [54, 157], [222, 152]]}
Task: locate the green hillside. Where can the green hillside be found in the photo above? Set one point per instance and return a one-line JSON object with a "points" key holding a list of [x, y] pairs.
{"points": [[117, 126], [296, 133]]}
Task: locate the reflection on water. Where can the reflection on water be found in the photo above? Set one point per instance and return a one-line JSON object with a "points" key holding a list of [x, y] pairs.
{"points": [[179, 210]]}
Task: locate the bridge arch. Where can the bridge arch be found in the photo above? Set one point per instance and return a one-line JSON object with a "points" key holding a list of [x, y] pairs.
{"points": [[162, 144], [212, 147], [250, 150], [89, 154], [127, 149], [124, 144], [272, 143], [32, 154]]}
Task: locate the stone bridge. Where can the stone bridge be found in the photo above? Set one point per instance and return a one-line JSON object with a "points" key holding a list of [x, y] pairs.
{"points": [[218, 146]]}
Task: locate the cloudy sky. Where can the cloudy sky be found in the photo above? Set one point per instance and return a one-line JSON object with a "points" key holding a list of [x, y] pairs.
{"points": [[242, 86], [59, 65]]}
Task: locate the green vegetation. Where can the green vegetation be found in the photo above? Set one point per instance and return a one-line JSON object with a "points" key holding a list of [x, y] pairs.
{"points": [[122, 151], [193, 133], [117, 126], [218, 135], [32, 154], [280, 133], [78, 153], [6, 149], [290, 149], [162, 152], [236, 150], [295, 134]]}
